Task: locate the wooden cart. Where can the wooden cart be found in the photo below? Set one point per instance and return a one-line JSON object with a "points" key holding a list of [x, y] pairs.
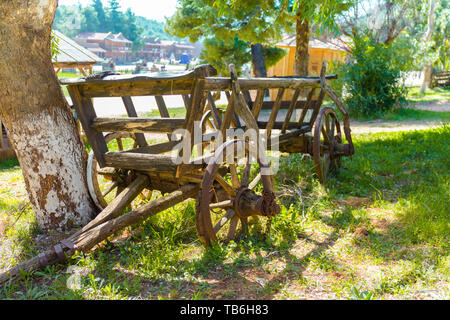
{"points": [[227, 192], [229, 180]]}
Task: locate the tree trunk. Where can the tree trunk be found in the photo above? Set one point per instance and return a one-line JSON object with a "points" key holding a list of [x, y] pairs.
{"points": [[258, 61], [37, 118], [302, 43], [428, 70]]}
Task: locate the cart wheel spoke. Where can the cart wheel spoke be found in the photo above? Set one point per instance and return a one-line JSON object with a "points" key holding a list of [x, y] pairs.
{"points": [[110, 188], [228, 215], [326, 128], [213, 227], [255, 181], [232, 230]]}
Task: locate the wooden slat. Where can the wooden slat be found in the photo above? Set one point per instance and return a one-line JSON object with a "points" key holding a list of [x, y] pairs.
{"points": [[152, 162], [317, 106], [278, 125], [290, 110], [163, 110], [258, 103], [131, 111], [86, 114], [214, 111], [156, 148], [248, 98], [141, 161], [136, 88], [137, 125], [236, 120], [309, 103], [274, 113], [223, 84]]}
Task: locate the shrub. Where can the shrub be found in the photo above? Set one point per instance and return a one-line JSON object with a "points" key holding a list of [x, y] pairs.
{"points": [[372, 81]]}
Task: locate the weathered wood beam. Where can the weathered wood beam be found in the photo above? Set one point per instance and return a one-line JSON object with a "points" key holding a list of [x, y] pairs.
{"points": [[131, 111], [88, 239], [166, 125], [86, 113]]}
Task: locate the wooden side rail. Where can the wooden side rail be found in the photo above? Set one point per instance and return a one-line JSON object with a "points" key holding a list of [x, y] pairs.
{"points": [[152, 162], [141, 125]]}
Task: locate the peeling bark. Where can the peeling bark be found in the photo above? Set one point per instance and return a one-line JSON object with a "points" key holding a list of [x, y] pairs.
{"points": [[302, 43], [37, 118]]}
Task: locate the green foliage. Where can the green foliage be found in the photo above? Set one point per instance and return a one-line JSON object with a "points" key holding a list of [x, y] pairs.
{"points": [[273, 54], [54, 45], [229, 28], [372, 82], [321, 14], [221, 53]]}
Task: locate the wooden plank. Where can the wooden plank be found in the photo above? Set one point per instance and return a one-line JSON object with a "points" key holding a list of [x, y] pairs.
{"points": [[163, 110], [290, 110], [268, 105], [236, 120], [309, 103], [131, 111], [137, 125], [259, 100], [248, 98], [151, 162], [118, 205], [162, 107], [278, 125], [224, 84], [214, 111], [136, 88], [141, 161], [274, 113], [86, 114], [187, 102], [156, 148], [317, 106]]}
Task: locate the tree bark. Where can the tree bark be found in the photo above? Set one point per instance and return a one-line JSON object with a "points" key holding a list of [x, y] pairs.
{"points": [[302, 42], [428, 70], [258, 61], [37, 118]]}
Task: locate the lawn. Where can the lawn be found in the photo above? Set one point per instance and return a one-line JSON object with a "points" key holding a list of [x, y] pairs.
{"points": [[378, 230]]}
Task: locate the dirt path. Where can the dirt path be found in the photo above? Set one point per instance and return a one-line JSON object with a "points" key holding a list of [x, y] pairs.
{"points": [[438, 106], [389, 126]]}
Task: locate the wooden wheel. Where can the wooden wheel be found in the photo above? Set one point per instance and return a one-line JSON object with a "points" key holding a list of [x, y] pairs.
{"points": [[228, 197], [327, 134], [102, 182]]}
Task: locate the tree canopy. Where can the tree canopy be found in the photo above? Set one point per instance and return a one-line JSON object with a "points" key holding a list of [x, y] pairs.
{"points": [[230, 28]]}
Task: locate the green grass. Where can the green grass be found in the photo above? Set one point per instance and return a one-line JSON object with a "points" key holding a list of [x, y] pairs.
{"points": [[179, 112], [379, 230], [430, 95]]}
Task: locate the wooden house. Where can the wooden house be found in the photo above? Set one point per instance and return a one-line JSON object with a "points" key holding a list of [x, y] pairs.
{"points": [[72, 55], [319, 51]]}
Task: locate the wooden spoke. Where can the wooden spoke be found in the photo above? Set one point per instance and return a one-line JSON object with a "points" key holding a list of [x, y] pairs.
{"points": [[228, 215], [327, 127], [233, 226], [255, 182], [113, 185], [222, 204], [225, 185]]}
